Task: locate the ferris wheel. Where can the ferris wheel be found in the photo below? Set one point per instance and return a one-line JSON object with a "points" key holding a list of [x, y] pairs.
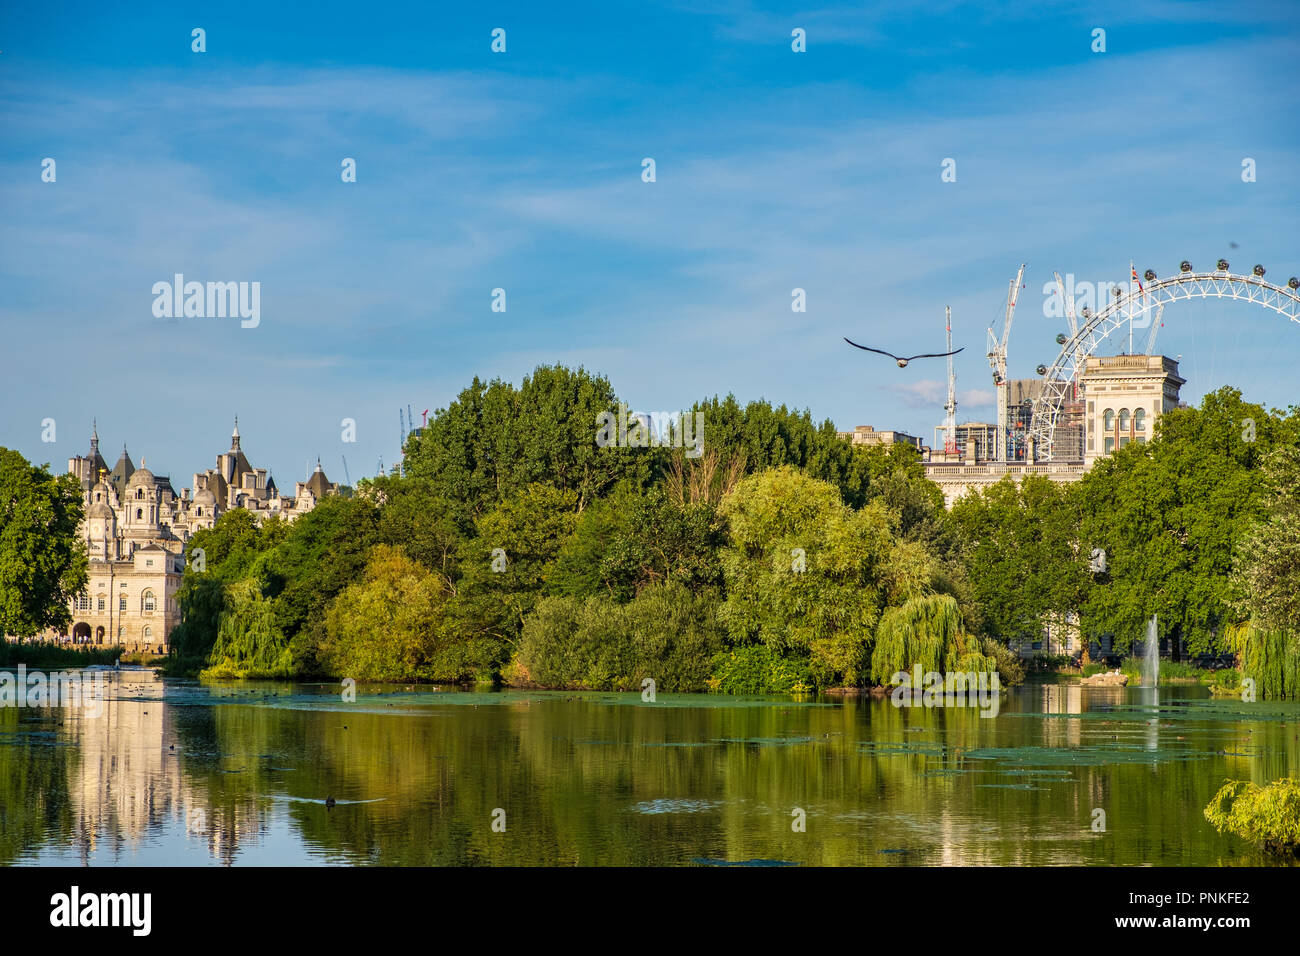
{"points": [[1059, 378]]}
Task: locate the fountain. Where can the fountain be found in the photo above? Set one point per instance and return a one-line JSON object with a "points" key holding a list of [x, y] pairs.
{"points": [[1151, 669]]}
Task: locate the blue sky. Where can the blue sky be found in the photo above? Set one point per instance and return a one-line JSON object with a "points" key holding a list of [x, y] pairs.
{"points": [[522, 170]]}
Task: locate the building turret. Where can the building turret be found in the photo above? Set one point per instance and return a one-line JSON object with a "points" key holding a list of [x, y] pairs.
{"points": [[122, 473]]}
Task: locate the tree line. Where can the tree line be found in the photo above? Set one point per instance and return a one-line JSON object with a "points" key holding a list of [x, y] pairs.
{"points": [[513, 548]]}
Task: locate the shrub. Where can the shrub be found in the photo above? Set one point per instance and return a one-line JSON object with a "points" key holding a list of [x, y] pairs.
{"points": [[1268, 816], [1010, 668], [665, 633], [757, 669], [1228, 679], [389, 627]]}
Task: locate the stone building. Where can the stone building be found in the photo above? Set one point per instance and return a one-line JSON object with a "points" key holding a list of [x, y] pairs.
{"points": [[1118, 401], [136, 528], [868, 435], [1125, 394]]}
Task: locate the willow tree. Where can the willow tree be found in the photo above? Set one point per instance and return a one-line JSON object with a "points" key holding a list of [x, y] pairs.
{"points": [[1268, 656], [249, 642], [926, 632]]}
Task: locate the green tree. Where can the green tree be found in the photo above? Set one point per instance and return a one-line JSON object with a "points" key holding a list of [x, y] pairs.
{"points": [[1267, 571], [808, 576], [633, 539], [926, 632], [249, 643], [42, 561], [428, 527], [325, 551], [1019, 542], [495, 440], [1170, 514], [764, 437], [217, 559], [504, 567], [389, 626]]}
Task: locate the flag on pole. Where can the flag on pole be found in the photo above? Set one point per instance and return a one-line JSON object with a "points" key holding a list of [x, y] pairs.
{"points": [[1134, 273]]}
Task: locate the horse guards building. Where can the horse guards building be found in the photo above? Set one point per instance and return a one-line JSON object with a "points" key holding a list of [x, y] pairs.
{"points": [[136, 528]]}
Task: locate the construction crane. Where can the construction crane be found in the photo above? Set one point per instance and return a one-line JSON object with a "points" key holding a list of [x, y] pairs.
{"points": [[346, 476], [950, 409], [1156, 324], [1071, 320], [998, 363]]}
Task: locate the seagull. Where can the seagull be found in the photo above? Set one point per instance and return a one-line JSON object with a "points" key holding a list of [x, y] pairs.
{"points": [[902, 362]]}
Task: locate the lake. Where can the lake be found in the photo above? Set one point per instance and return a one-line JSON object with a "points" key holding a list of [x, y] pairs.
{"points": [[178, 773]]}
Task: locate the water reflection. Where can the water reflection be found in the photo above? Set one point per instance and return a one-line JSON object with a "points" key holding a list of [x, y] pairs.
{"points": [[285, 774]]}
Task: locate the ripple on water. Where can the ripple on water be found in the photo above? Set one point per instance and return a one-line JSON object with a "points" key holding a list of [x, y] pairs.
{"points": [[706, 861], [1081, 756], [665, 805]]}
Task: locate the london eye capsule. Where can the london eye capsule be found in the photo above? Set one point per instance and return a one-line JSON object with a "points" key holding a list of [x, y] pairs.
{"points": [[1222, 265], [1149, 275], [1060, 338], [1258, 270], [1293, 283], [1042, 370], [1184, 266]]}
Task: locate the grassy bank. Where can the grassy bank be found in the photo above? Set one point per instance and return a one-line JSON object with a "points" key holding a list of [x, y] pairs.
{"points": [[37, 654]]}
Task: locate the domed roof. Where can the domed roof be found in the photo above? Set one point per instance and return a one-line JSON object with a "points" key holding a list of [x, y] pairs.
{"points": [[205, 497], [99, 509], [141, 476]]}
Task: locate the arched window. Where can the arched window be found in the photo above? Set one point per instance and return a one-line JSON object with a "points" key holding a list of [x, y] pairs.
{"points": [[139, 493], [139, 512], [1123, 420], [1109, 419], [147, 602], [98, 496], [200, 511], [148, 633], [1140, 420]]}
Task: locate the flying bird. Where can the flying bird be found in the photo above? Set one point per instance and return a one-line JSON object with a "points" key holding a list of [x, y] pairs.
{"points": [[902, 362]]}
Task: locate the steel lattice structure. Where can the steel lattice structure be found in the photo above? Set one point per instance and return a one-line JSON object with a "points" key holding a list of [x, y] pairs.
{"points": [[1058, 379]]}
